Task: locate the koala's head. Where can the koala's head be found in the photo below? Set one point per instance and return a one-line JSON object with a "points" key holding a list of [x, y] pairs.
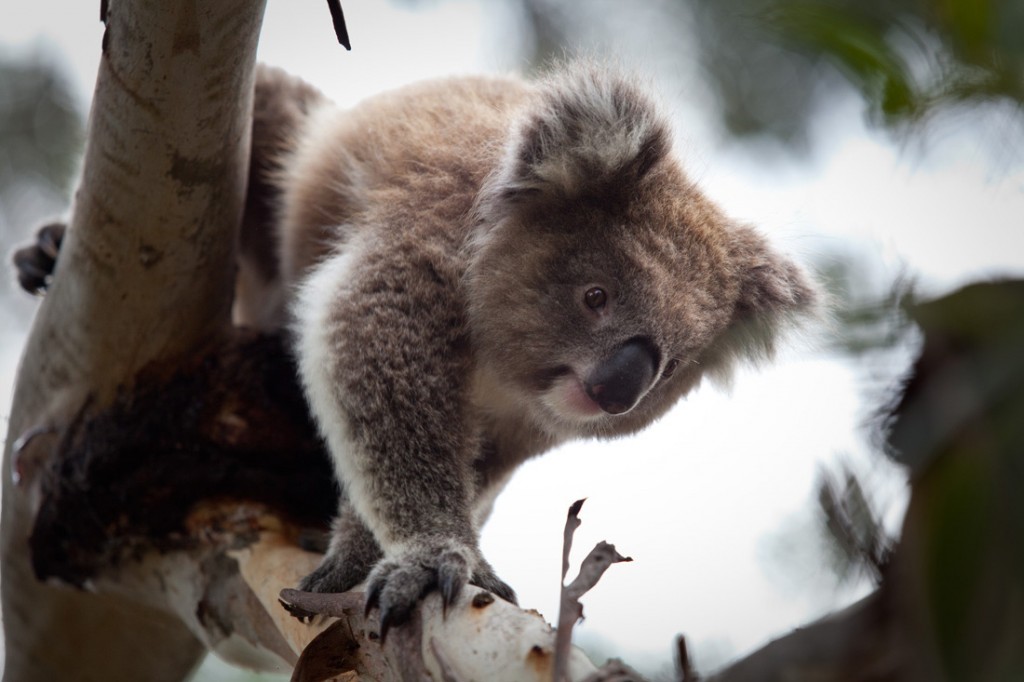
{"points": [[603, 284]]}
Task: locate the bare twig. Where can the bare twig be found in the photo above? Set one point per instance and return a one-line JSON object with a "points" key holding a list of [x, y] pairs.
{"points": [[572, 522], [570, 609], [684, 665], [853, 525], [338, 19], [597, 562]]}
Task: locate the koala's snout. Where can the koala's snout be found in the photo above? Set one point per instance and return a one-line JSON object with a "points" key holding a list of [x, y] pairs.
{"points": [[618, 383]]}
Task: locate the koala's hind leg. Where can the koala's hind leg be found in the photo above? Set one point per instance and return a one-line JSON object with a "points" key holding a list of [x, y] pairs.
{"points": [[352, 553], [36, 262], [281, 105]]}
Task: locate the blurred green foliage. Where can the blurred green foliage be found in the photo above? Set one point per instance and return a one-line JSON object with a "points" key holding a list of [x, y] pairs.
{"points": [[959, 428], [772, 62]]}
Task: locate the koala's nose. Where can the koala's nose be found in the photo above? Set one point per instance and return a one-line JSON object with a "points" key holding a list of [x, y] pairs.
{"points": [[617, 383]]}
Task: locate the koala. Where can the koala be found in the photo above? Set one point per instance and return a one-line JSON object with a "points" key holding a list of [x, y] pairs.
{"points": [[476, 270], [472, 271]]}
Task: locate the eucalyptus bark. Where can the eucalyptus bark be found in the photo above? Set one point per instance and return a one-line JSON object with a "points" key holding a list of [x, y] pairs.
{"points": [[145, 276]]}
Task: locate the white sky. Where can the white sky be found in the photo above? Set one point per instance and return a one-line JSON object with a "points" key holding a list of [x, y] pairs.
{"points": [[704, 499]]}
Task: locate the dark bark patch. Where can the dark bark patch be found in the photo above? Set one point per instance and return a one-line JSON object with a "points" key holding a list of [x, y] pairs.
{"points": [[231, 426]]}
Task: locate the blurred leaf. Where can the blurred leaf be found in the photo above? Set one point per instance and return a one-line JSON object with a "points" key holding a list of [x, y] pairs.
{"points": [[772, 64], [853, 527], [959, 427], [866, 321], [963, 51], [857, 43], [970, 24], [908, 59]]}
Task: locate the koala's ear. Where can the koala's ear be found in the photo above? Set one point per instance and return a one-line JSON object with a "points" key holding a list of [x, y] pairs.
{"points": [[774, 293], [590, 131], [770, 282]]}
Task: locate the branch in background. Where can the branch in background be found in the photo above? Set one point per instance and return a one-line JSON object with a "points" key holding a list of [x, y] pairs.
{"points": [[853, 527], [684, 666], [857, 643], [947, 605]]}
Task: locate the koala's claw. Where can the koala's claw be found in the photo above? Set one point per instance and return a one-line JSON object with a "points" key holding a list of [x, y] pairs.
{"points": [[396, 586], [387, 619], [372, 597], [489, 581], [450, 583]]}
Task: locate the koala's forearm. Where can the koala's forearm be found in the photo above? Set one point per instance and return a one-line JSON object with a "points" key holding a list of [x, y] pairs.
{"points": [[390, 405]]}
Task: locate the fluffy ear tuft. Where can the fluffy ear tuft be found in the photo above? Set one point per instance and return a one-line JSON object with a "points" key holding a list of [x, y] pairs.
{"points": [[590, 132], [774, 294], [770, 283]]}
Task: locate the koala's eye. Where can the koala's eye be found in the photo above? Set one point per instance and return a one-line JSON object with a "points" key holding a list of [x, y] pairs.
{"points": [[670, 368], [595, 298]]}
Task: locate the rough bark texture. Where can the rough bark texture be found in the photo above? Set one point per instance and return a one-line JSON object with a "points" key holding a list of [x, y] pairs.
{"points": [[144, 275], [235, 427]]}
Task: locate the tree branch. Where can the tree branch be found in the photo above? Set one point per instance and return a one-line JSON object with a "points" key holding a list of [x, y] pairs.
{"points": [[857, 643]]}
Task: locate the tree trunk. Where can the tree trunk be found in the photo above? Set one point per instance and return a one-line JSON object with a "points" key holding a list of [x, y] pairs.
{"points": [[144, 276]]}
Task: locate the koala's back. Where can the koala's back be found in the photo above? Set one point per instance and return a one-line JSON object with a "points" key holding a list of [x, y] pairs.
{"points": [[415, 158]]}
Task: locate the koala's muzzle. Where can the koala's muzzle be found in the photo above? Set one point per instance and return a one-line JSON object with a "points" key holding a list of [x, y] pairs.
{"points": [[618, 383]]}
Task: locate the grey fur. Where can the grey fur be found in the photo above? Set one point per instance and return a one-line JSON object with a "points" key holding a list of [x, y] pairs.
{"points": [[436, 246]]}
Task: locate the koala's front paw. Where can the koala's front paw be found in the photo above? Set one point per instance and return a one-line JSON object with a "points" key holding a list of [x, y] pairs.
{"points": [[397, 585], [35, 263], [334, 574], [352, 553]]}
